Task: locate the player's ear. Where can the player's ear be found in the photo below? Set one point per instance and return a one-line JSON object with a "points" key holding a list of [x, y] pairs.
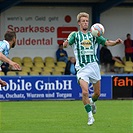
{"points": [[79, 23]]}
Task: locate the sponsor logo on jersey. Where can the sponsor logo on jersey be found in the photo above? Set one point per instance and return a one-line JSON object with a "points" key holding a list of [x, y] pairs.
{"points": [[86, 43]]}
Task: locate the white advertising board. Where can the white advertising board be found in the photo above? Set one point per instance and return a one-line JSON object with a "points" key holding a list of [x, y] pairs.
{"points": [[40, 29]]}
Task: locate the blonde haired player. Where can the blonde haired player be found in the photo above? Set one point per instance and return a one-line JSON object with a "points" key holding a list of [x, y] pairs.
{"points": [[84, 46]]}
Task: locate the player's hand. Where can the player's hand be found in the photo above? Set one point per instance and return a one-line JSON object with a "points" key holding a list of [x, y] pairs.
{"points": [[2, 83], [119, 41], [15, 66], [65, 43]]}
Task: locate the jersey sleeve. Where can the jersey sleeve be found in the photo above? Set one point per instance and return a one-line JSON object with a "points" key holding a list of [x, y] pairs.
{"points": [[101, 40], [1, 50], [71, 38], [2, 47]]}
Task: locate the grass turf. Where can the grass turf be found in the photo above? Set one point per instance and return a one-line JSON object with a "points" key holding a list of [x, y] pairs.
{"points": [[113, 116]]}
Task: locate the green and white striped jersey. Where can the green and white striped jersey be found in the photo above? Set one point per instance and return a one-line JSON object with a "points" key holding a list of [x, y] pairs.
{"points": [[85, 47]]}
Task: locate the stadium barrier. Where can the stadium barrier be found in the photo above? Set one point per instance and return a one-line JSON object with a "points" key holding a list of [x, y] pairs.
{"points": [[49, 88], [63, 87]]}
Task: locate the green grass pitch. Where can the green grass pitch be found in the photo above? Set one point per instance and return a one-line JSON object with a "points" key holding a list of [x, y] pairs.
{"points": [[113, 116]]}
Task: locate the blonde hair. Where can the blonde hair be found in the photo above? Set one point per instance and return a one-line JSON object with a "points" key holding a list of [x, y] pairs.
{"points": [[82, 14]]}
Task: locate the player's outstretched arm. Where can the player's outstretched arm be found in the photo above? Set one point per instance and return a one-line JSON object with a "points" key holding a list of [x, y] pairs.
{"points": [[113, 43], [4, 58], [13, 64]]}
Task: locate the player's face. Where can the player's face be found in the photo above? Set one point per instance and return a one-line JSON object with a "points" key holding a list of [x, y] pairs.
{"points": [[14, 43], [73, 60], [84, 23]]}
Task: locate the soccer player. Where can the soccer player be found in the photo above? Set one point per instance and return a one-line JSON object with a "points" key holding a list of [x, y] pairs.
{"points": [[5, 45], [84, 46]]}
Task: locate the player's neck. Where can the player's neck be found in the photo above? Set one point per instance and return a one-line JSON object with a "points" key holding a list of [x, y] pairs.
{"points": [[84, 31]]}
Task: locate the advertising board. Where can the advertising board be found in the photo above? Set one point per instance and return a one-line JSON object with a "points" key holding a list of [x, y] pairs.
{"points": [[122, 86], [47, 88]]}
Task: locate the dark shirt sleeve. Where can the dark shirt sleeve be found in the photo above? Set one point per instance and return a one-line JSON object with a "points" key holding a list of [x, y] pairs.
{"points": [[57, 54]]}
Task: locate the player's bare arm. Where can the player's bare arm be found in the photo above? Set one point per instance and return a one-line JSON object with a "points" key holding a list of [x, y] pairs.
{"points": [[4, 58], [13, 64], [113, 43]]}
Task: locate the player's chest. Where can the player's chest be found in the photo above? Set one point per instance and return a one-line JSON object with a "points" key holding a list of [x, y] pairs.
{"points": [[85, 42]]}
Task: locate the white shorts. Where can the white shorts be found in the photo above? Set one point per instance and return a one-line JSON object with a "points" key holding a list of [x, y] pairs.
{"points": [[90, 73]]}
